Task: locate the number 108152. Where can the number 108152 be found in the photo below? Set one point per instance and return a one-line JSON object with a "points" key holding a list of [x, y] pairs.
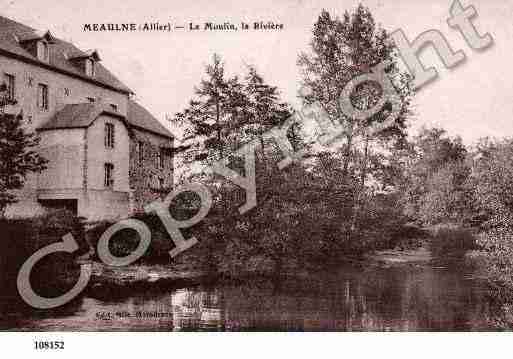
{"points": [[47, 345]]}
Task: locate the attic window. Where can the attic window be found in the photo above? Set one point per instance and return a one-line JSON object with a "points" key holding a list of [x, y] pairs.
{"points": [[42, 51], [86, 61], [89, 67], [37, 43]]}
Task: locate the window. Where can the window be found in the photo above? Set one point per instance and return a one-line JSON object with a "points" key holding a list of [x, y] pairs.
{"points": [[42, 51], [10, 83], [161, 183], [159, 159], [156, 183], [89, 67], [109, 135], [42, 97], [91, 99], [114, 107], [67, 91], [162, 158], [109, 175], [140, 151]]}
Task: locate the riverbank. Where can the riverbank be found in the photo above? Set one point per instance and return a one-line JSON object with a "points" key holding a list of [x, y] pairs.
{"points": [[387, 291], [108, 280], [110, 283], [500, 291], [181, 275]]}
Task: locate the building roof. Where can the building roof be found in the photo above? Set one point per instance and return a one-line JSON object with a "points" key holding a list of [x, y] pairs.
{"points": [[138, 116], [79, 115], [82, 115], [13, 34]]}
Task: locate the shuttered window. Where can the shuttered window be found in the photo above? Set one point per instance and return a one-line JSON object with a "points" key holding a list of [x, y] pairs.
{"points": [[10, 83], [42, 97], [109, 135], [140, 151], [109, 175]]}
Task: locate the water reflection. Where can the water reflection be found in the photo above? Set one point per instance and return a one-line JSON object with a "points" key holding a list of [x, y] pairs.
{"points": [[426, 297], [198, 309]]}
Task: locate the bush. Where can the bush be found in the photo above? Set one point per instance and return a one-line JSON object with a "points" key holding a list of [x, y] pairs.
{"points": [[125, 241], [21, 238], [408, 236], [452, 240]]}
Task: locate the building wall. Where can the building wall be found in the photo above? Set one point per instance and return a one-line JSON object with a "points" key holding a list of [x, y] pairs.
{"points": [[65, 151], [98, 155], [77, 156], [143, 174], [76, 171], [27, 78], [105, 205]]}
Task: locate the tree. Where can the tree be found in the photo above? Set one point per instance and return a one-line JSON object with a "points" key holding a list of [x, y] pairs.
{"points": [[228, 112], [491, 180], [493, 190], [447, 197], [434, 187], [341, 50], [210, 118], [18, 156], [265, 110]]}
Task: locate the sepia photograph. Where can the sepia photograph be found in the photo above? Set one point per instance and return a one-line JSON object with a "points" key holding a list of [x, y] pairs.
{"points": [[255, 166]]}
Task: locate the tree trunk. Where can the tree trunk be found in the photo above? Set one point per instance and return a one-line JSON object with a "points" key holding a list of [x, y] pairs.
{"points": [[347, 156], [363, 173], [218, 116]]}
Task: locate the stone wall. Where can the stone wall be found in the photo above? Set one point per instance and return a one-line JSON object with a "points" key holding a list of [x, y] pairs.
{"points": [[77, 156], [144, 174], [64, 148], [105, 205], [98, 154], [62, 90], [65, 151]]}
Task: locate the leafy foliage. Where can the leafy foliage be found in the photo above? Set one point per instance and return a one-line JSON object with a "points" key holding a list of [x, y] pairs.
{"points": [[18, 155], [227, 112], [342, 50], [21, 238], [491, 179], [434, 177]]}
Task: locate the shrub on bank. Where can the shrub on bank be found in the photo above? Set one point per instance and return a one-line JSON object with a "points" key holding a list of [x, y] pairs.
{"points": [[497, 245], [21, 238], [125, 241], [451, 240], [496, 259]]}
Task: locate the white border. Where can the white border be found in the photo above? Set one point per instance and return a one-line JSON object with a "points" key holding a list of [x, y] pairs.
{"points": [[260, 345]]}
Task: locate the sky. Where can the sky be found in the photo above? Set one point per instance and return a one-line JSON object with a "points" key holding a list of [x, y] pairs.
{"points": [[472, 100]]}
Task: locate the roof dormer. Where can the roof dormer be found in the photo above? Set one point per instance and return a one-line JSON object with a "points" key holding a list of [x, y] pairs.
{"points": [[93, 54], [86, 61], [37, 43]]}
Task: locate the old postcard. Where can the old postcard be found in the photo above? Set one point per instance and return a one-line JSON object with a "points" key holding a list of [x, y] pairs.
{"points": [[264, 166]]}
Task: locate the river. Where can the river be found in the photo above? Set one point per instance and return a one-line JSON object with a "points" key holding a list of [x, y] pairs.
{"points": [[393, 295]]}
